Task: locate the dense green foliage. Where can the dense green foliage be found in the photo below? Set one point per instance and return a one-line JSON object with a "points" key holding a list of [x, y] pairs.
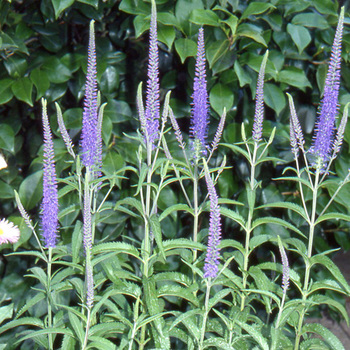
{"points": [[43, 54]]}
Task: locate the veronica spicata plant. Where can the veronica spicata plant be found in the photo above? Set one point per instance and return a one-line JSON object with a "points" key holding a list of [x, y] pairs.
{"points": [[181, 271]]}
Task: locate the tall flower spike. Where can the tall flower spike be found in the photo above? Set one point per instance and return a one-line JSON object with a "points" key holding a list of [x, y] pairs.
{"points": [[213, 252], [66, 138], [88, 135], [259, 102], [199, 117], [176, 128], [295, 125], [324, 130], [285, 267], [49, 206], [152, 98], [219, 131], [340, 134], [293, 139]]}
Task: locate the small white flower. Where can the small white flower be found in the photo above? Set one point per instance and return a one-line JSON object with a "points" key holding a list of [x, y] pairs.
{"points": [[3, 163], [9, 233]]}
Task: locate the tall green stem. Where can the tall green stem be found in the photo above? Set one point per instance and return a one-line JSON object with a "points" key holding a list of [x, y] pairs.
{"points": [[309, 255], [49, 307], [195, 208], [147, 243], [205, 315], [251, 204]]}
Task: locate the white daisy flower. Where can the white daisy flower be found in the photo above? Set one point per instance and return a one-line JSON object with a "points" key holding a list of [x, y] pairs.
{"points": [[9, 233], [3, 163]]}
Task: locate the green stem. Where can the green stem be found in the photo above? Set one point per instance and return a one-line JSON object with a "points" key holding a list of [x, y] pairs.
{"points": [[206, 312], [49, 307], [195, 208], [147, 243], [248, 230], [88, 321], [309, 255]]}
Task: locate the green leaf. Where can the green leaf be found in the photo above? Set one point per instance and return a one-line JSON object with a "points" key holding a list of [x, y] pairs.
{"points": [[205, 17], [133, 202], [251, 31], [218, 343], [53, 330], [332, 268], [175, 208], [109, 80], [256, 8], [6, 93], [167, 19], [300, 35], [157, 232], [183, 10], [182, 243], [173, 276], [93, 3], [243, 77], [216, 50], [60, 5], [256, 241], [31, 189], [16, 66], [100, 343], [287, 205], [30, 303], [6, 312], [274, 97], [134, 7], [177, 291], [115, 247], [276, 221], [40, 81], [188, 319], [185, 48], [30, 321], [254, 333], [237, 149], [218, 297], [56, 71], [329, 301], [221, 97], [77, 239], [332, 216], [77, 326], [161, 336], [295, 77], [166, 34], [107, 329], [68, 343], [7, 138], [22, 89], [232, 22], [325, 333], [233, 216], [313, 20]]}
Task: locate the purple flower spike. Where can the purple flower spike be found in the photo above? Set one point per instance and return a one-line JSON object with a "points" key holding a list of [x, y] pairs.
{"points": [[49, 206], [325, 125], [213, 252], [152, 98], [90, 116], [285, 269], [259, 102], [296, 133], [199, 119]]}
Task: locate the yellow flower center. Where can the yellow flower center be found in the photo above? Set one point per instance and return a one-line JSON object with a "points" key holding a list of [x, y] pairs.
{"points": [[1, 231]]}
